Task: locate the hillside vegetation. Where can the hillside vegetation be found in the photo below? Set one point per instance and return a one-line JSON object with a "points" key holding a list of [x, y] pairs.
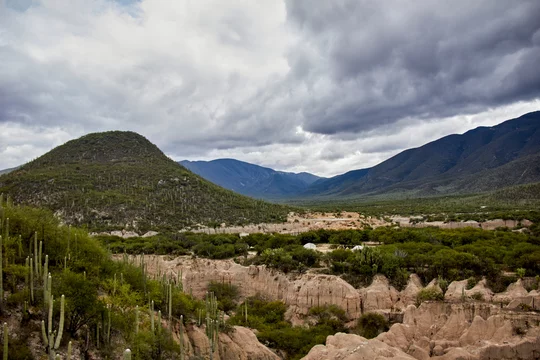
{"points": [[59, 281], [116, 180]]}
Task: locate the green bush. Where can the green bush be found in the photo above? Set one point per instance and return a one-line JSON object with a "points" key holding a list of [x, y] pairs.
{"points": [[226, 294], [429, 294], [369, 325], [471, 282]]}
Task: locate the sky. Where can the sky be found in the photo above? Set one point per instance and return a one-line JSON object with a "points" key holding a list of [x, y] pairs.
{"points": [[295, 85]]}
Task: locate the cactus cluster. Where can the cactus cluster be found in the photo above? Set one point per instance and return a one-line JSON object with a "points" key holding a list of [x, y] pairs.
{"points": [[52, 338], [214, 319]]}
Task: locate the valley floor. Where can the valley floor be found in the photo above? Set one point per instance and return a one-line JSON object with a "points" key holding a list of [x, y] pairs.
{"points": [[299, 223]]}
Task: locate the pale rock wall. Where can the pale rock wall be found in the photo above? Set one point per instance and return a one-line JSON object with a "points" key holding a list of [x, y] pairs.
{"points": [[354, 347]]}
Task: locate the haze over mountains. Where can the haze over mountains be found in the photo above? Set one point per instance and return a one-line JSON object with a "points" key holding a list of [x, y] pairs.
{"points": [[482, 159], [252, 180]]}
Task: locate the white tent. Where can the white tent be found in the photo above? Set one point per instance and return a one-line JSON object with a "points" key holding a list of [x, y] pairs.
{"points": [[310, 246], [358, 248]]}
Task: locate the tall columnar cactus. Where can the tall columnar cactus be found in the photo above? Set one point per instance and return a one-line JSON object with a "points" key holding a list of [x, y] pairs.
{"points": [[181, 337], [108, 333], [137, 319], [6, 339], [68, 357], [61, 325], [52, 339], [1, 275], [152, 326], [170, 301], [45, 277], [30, 276]]}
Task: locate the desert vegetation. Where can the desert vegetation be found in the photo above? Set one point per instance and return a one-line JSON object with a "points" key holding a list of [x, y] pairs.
{"points": [[59, 279], [449, 254]]}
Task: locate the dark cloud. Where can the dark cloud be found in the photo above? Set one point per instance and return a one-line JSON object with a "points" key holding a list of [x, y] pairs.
{"points": [[390, 60]]}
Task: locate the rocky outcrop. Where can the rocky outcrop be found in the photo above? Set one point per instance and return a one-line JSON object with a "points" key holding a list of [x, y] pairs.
{"points": [[529, 302], [300, 292], [380, 295], [514, 291], [458, 289], [465, 331], [408, 295], [238, 344], [354, 347]]}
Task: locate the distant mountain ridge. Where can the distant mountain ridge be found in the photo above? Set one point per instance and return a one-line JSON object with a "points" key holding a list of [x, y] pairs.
{"points": [[482, 159], [250, 179]]}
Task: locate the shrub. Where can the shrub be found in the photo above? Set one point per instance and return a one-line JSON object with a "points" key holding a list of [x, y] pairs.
{"points": [[477, 296], [371, 324], [471, 282], [429, 294], [443, 284], [226, 294]]}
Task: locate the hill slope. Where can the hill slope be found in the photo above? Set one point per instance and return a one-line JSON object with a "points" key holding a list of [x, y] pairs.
{"points": [[6, 171], [251, 180], [119, 179], [479, 160]]}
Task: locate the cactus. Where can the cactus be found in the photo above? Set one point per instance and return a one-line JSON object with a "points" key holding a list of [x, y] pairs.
{"points": [[1, 275], [127, 354], [36, 254], [44, 334], [61, 326], [45, 275], [6, 339], [181, 337], [152, 316], [52, 339], [137, 319], [170, 301], [31, 281], [50, 318], [27, 272], [68, 356], [19, 246], [108, 335]]}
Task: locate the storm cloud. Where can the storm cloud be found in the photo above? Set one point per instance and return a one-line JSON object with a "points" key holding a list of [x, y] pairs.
{"points": [[324, 87]]}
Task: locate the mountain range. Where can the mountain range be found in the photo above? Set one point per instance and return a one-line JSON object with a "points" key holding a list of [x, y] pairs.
{"points": [[480, 160], [104, 179], [252, 180]]}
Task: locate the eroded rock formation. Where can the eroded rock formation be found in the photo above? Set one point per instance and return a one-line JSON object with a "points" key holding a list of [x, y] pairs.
{"points": [[354, 347]]}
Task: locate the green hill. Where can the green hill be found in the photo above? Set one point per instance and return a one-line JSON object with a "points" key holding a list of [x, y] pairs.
{"points": [[116, 180]]}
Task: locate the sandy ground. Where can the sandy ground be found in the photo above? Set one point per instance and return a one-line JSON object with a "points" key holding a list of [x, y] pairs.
{"points": [[299, 223]]}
